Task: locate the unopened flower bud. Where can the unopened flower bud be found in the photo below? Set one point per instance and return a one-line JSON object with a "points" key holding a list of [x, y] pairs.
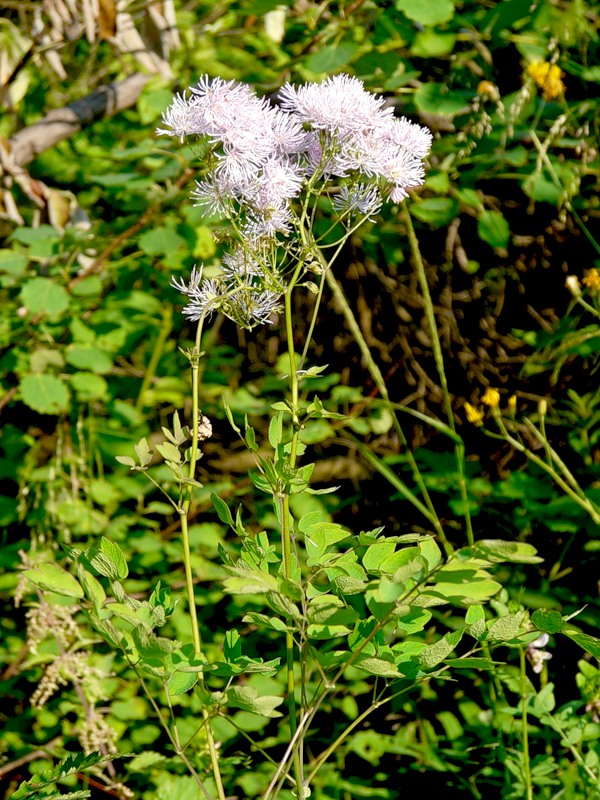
{"points": [[573, 285]]}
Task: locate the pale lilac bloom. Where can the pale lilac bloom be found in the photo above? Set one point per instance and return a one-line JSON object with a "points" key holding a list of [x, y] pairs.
{"points": [[266, 224], [212, 195], [280, 180], [178, 118], [257, 307], [362, 199], [202, 294], [193, 283], [286, 133], [413, 137], [240, 264], [339, 105]]}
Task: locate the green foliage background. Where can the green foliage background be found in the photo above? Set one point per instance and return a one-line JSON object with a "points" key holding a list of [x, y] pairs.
{"points": [[93, 229]]}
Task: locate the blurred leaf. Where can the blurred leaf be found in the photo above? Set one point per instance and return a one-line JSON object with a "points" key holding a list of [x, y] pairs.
{"points": [[429, 44], [45, 296], [437, 211], [493, 228], [89, 358], [426, 13], [45, 394], [331, 57], [436, 98]]}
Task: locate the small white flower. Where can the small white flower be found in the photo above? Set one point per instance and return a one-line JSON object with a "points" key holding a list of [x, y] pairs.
{"points": [[535, 655]]}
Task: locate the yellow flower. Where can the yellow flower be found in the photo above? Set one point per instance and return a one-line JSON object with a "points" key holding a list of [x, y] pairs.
{"points": [[474, 415], [592, 280], [491, 398], [548, 77], [512, 404]]}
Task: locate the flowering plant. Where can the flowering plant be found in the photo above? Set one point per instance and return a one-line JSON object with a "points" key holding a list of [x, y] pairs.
{"points": [[291, 183]]}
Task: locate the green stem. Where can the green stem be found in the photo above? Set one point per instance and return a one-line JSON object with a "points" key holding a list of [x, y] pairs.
{"points": [[173, 737], [379, 381], [187, 559], [163, 334], [578, 498], [524, 727], [438, 357], [286, 525]]}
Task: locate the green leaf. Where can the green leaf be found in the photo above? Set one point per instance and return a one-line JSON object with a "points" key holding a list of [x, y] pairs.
{"points": [[429, 44], [538, 188], [493, 228], [13, 263], [548, 621], [330, 58], [436, 653], [430, 551], [52, 578], [472, 591], [246, 581], [146, 760], [161, 241], [45, 296], [472, 663], [143, 452], [45, 394], [475, 621], [430, 12], [181, 682], [274, 623], [88, 386], [222, 510], [588, 643], [247, 698], [107, 559], [92, 587], [89, 358], [276, 429], [506, 628], [412, 621], [436, 211], [436, 98], [319, 534], [376, 554], [376, 666], [169, 452], [498, 550]]}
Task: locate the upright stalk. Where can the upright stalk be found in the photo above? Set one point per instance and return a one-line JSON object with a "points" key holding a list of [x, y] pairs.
{"points": [[286, 533], [187, 560], [438, 356], [524, 727], [379, 381]]}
